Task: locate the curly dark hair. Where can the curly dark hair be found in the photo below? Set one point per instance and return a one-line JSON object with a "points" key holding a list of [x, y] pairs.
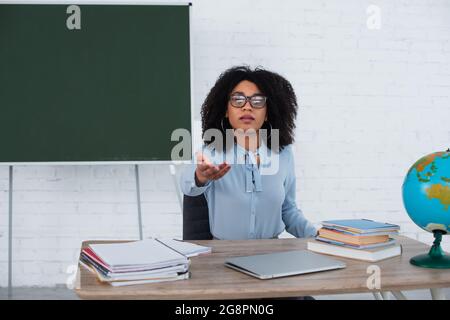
{"points": [[281, 102]]}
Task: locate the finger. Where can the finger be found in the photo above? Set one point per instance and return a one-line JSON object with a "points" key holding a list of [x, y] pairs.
{"points": [[222, 172], [206, 159], [223, 165], [201, 158], [211, 172], [203, 166]]}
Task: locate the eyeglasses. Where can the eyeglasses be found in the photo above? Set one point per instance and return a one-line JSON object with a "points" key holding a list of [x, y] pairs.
{"points": [[239, 100]]}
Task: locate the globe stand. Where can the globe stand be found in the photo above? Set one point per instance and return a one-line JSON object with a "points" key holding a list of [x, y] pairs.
{"points": [[435, 258]]}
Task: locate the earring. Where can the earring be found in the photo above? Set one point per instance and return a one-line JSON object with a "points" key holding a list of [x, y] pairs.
{"points": [[221, 124]]}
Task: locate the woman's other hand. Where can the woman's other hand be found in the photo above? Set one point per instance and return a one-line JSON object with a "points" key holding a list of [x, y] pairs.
{"points": [[206, 170]]}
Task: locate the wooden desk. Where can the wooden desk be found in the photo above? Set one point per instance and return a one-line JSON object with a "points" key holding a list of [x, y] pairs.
{"points": [[212, 280]]}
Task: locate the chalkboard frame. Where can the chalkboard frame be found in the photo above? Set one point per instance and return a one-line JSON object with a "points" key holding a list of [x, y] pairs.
{"points": [[118, 2]]}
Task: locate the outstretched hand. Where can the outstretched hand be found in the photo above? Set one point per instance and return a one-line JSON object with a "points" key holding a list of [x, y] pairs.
{"points": [[206, 170]]}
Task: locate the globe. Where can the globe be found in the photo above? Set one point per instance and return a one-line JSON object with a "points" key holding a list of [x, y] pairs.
{"points": [[426, 197]]}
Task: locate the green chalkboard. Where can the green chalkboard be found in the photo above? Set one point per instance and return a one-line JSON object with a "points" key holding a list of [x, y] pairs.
{"points": [[104, 83]]}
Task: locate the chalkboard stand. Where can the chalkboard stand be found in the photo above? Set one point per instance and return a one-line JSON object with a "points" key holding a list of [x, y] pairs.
{"points": [[10, 220], [138, 194], [173, 172], [10, 232]]}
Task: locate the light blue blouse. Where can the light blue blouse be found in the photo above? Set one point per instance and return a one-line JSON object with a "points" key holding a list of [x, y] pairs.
{"points": [[246, 203]]}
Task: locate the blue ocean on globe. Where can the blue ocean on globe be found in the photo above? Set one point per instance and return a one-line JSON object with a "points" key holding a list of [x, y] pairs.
{"points": [[426, 192]]}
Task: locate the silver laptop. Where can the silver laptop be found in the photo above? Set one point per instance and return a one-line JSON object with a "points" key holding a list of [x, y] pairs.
{"points": [[282, 264]]}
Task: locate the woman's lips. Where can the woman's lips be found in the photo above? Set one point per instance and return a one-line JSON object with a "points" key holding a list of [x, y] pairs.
{"points": [[246, 119]]}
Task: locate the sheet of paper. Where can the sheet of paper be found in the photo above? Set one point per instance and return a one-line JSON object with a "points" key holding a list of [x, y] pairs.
{"points": [[186, 248], [144, 252]]}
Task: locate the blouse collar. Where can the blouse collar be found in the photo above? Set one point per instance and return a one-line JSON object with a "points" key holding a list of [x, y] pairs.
{"points": [[252, 174]]}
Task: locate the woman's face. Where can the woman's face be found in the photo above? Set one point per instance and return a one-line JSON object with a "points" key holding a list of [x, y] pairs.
{"points": [[246, 117]]}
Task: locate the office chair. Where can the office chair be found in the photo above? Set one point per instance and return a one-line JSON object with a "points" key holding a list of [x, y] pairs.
{"points": [[196, 218]]}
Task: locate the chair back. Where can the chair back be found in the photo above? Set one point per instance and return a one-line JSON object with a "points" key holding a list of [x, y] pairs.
{"points": [[196, 218]]}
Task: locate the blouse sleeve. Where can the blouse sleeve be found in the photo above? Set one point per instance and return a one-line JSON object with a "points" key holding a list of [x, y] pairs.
{"points": [[187, 182], [293, 218]]}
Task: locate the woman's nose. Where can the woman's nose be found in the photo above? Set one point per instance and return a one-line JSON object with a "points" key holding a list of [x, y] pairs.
{"points": [[247, 106]]}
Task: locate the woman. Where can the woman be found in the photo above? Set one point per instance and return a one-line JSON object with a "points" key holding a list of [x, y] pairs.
{"points": [[242, 202]]}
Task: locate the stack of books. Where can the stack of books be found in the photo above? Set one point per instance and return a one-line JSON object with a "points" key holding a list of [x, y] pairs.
{"points": [[360, 239], [139, 262]]}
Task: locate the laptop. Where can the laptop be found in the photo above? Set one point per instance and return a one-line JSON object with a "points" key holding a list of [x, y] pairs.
{"points": [[283, 264]]}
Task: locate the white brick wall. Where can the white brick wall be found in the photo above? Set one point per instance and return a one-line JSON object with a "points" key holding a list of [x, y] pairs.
{"points": [[371, 103]]}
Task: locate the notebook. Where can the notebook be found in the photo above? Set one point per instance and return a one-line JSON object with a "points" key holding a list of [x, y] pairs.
{"points": [[367, 254], [135, 262], [282, 264], [361, 225], [183, 276], [136, 255], [140, 262], [390, 242]]}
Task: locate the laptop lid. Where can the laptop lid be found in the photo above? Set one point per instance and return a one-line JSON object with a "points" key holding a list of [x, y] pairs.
{"points": [[282, 264]]}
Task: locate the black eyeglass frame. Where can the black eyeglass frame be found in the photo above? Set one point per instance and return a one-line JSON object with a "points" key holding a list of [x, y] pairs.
{"points": [[247, 99]]}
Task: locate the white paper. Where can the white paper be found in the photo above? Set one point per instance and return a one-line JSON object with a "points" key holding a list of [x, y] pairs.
{"points": [[148, 252], [186, 248]]}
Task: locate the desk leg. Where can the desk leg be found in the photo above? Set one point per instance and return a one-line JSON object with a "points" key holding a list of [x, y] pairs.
{"points": [[437, 294], [399, 295], [377, 296], [385, 295]]}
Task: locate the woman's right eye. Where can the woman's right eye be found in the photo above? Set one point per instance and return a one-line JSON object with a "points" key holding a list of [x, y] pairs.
{"points": [[238, 99]]}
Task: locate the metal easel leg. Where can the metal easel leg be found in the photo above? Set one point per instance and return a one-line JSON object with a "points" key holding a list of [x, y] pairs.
{"points": [[173, 172], [138, 194], [10, 232]]}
